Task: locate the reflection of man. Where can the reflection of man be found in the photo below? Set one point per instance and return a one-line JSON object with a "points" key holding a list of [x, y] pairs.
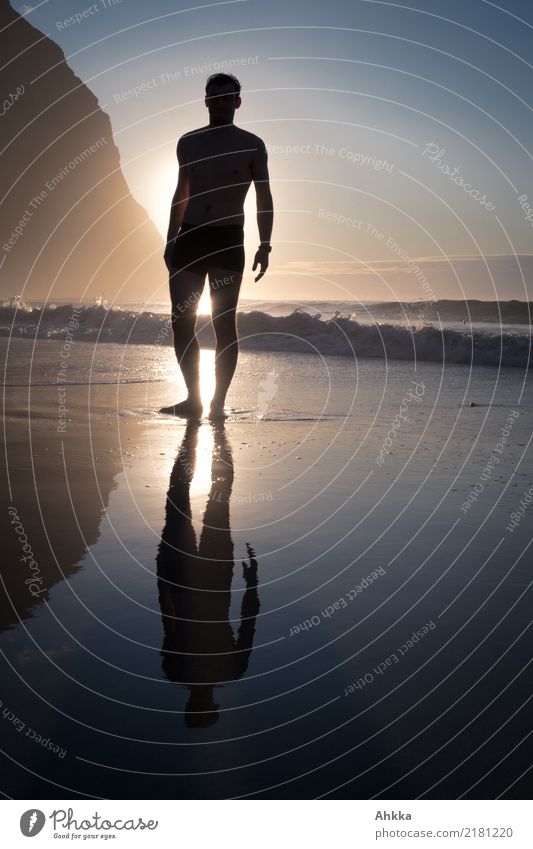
{"points": [[217, 164], [200, 649]]}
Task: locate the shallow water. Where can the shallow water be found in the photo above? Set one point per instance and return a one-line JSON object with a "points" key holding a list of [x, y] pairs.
{"points": [[239, 618]]}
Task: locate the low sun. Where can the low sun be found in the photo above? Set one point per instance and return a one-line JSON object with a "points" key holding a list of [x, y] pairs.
{"points": [[204, 304]]}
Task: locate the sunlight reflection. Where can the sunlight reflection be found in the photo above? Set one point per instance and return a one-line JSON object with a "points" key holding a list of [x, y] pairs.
{"points": [[207, 376], [166, 370], [201, 482]]}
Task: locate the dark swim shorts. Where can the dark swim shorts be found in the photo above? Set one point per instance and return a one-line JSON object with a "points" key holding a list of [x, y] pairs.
{"points": [[200, 247]]}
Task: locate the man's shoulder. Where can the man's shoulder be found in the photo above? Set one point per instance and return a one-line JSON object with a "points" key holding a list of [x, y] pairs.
{"points": [[191, 133], [251, 139], [187, 144]]}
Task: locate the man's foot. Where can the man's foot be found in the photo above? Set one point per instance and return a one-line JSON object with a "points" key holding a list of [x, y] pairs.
{"points": [[216, 411], [186, 409]]}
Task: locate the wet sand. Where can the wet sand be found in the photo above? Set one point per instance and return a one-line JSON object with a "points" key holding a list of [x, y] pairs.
{"points": [[288, 607]]}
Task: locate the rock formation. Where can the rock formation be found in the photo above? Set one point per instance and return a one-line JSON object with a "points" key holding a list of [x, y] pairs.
{"points": [[70, 229]]}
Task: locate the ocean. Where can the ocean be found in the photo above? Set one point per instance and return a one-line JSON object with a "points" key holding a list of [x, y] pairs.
{"points": [[328, 595], [468, 332]]}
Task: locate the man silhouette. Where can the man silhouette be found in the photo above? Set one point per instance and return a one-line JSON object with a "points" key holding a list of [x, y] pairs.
{"points": [[200, 649], [217, 164]]}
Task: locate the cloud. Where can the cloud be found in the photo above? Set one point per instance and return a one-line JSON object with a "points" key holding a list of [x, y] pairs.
{"points": [[349, 268], [491, 277]]}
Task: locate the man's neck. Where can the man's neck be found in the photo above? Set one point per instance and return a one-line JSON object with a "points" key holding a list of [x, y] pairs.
{"points": [[220, 125]]}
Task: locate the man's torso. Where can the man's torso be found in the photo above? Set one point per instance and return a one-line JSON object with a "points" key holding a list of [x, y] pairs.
{"points": [[219, 168]]}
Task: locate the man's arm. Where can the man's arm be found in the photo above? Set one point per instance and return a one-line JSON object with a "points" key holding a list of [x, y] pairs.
{"points": [[178, 205], [265, 207], [249, 610]]}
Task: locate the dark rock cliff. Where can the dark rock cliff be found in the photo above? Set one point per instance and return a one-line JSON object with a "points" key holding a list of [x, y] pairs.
{"points": [[69, 227]]}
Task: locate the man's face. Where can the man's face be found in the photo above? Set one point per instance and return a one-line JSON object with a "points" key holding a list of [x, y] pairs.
{"points": [[221, 100]]}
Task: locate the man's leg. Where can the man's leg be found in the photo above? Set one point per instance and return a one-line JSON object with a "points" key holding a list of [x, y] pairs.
{"points": [[185, 292], [224, 287]]}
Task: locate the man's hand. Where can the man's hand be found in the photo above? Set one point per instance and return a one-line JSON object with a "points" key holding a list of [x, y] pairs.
{"points": [[261, 258], [249, 570], [169, 250]]}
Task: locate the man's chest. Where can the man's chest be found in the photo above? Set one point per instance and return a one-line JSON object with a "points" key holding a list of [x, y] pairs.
{"points": [[215, 164]]}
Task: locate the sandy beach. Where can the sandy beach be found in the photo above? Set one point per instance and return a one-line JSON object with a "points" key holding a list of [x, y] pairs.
{"points": [[345, 536]]}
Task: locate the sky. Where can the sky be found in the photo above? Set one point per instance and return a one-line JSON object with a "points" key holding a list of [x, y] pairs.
{"points": [[399, 136]]}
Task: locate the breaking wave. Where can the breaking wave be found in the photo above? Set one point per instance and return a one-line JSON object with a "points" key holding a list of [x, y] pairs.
{"points": [[301, 331]]}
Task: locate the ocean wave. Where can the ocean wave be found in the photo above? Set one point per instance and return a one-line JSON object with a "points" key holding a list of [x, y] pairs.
{"points": [[300, 332], [469, 311]]}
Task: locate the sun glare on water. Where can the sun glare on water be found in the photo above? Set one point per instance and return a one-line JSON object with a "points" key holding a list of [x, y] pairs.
{"points": [[201, 481], [207, 376]]}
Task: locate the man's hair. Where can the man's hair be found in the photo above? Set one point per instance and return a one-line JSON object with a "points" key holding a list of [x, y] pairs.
{"points": [[223, 79]]}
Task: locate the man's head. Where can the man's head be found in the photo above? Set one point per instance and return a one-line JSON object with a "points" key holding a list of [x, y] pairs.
{"points": [[222, 97], [201, 710]]}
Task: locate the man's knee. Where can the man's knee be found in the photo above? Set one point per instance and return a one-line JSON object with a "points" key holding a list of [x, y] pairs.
{"points": [[225, 325], [185, 293], [183, 320], [183, 326]]}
